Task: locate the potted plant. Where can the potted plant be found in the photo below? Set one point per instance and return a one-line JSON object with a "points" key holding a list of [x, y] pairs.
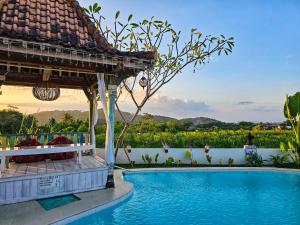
{"points": [[170, 161], [188, 155], [165, 147], [128, 148], [230, 162]]}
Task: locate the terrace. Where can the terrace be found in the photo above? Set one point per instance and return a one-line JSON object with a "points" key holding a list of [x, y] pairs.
{"points": [[49, 45], [178, 173]]}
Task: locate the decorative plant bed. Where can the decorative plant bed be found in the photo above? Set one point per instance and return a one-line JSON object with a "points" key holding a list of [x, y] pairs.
{"points": [[28, 144], [60, 141]]}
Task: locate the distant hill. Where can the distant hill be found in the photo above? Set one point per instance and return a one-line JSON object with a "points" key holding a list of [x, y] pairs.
{"points": [[44, 116], [200, 120]]}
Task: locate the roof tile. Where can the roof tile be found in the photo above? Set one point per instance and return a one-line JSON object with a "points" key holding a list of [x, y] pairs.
{"points": [[60, 22]]}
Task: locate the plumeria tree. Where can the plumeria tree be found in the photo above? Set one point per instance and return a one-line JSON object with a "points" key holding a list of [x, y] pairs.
{"points": [[173, 54]]}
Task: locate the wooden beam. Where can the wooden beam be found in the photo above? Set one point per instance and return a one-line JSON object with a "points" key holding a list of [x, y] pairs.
{"points": [[46, 74]]}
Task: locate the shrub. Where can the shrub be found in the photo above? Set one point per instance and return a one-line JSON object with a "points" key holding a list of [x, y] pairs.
{"points": [[230, 162], [170, 161], [254, 159]]}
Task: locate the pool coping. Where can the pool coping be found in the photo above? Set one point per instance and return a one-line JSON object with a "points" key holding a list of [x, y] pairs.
{"points": [[32, 213], [210, 169]]}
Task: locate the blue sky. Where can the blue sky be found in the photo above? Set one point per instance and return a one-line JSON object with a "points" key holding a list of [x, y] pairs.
{"points": [[250, 84]]}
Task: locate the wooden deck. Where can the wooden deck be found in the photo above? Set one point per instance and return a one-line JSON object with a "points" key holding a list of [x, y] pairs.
{"points": [[49, 166], [29, 181]]}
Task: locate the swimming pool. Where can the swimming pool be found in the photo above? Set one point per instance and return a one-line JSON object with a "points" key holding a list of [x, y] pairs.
{"points": [[207, 198]]}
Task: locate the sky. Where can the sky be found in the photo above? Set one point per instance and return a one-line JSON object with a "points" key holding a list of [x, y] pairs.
{"points": [[248, 85]]}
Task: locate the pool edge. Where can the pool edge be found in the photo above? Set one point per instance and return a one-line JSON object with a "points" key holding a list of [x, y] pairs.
{"points": [[119, 183], [210, 169]]}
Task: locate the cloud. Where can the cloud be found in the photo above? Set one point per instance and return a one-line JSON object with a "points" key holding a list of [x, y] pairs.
{"points": [[178, 108], [245, 103]]}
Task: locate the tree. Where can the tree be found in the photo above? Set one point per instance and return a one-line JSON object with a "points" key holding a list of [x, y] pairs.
{"points": [[173, 54], [10, 121]]}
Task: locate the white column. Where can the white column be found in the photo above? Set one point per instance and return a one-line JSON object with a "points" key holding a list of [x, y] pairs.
{"points": [[109, 142], [109, 112]]}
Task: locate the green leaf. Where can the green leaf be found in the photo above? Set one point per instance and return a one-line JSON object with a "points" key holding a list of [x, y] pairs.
{"points": [[144, 22], [283, 147], [298, 130], [95, 6], [97, 10], [129, 17], [292, 106], [134, 25], [117, 14], [292, 146]]}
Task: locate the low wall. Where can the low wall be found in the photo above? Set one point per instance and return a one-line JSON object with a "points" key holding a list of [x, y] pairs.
{"points": [[24, 188], [217, 154]]}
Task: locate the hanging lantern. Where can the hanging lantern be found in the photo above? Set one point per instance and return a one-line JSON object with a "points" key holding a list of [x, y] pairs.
{"points": [[45, 93], [143, 82]]}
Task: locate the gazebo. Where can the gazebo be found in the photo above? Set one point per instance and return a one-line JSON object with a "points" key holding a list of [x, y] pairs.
{"points": [[48, 45]]}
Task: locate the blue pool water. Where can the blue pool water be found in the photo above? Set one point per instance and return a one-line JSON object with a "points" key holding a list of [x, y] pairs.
{"points": [[207, 198], [55, 202]]}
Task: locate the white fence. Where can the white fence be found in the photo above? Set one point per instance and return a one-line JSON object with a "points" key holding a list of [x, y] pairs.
{"points": [[219, 155]]}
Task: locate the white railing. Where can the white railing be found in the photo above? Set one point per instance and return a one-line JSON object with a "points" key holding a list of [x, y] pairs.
{"points": [[42, 144]]}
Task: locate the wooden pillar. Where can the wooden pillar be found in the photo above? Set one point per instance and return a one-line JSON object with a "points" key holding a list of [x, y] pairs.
{"points": [[109, 142]]}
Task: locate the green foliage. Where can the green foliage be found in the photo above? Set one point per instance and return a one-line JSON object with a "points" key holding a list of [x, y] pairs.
{"points": [[230, 162], [292, 113], [178, 162], [254, 159], [188, 154], [220, 162], [156, 158], [149, 133], [147, 159], [208, 158], [194, 163], [279, 160], [13, 122], [198, 139], [170, 161], [10, 121], [82, 128], [292, 106]]}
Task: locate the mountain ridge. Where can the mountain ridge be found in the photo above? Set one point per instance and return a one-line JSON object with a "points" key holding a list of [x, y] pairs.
{"points": [[44, 116]]}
